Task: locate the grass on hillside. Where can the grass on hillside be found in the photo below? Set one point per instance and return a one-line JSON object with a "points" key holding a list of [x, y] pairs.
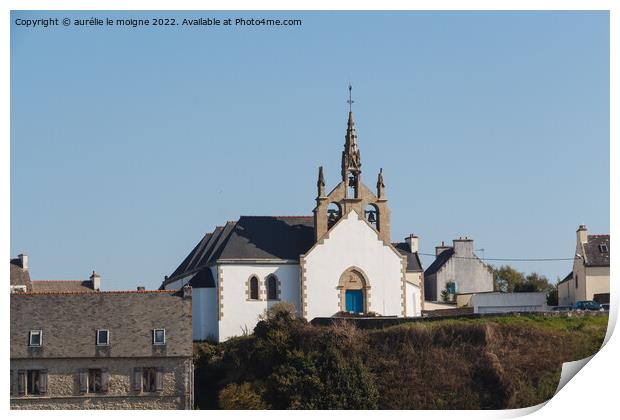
{"points": [[481, 363]]}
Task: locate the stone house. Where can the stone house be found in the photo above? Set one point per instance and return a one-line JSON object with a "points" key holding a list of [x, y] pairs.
{"points": [[101, 350], [589, 279], [460, 268], [339, 259], [20, 276]]}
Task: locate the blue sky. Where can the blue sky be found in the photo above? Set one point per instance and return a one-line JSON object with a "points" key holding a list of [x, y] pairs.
{"points": [[128, 144]]}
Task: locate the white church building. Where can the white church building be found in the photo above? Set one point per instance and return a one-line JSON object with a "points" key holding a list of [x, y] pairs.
{"points": [[339, 260]]}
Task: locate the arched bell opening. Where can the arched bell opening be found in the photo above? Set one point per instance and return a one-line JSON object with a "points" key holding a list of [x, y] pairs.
{"points": [[371, 214], [334, 213]]}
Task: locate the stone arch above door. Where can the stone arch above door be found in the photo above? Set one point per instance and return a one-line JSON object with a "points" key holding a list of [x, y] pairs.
{"points": [[354, 279]]}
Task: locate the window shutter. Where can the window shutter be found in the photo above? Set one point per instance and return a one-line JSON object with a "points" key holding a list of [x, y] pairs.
{"points": [[159, 379], [83, 380], [105, 377], [21, 382], [137, 379], [43, 381]]}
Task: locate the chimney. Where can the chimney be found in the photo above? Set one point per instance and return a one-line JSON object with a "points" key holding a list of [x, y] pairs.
{"points": [[463, 246], [582, 235], [140, 289], [412, 241], [23, 258], [441, 248], [95, 281]]}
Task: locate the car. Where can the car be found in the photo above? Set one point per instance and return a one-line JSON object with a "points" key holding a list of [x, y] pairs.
{"points": [[605, 306], [587, 305]]}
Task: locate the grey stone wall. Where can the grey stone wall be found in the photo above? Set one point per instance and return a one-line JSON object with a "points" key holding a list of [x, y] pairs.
{"points": [[468, 272], [64, 391]]}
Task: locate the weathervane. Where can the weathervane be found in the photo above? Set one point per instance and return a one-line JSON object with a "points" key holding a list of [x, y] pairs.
{"points": [[350, 101]]}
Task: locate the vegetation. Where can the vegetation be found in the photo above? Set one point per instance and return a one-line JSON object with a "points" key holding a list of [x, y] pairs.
{"points": [[507, 279], [490, 362]]}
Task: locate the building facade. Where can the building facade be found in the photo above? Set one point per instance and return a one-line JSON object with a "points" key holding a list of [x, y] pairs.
{"points": [[101, 350], [589, 279], [340, 259], [458, 269]]}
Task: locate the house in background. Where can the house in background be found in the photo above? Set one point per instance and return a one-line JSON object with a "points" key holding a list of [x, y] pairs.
{"points": [[81, 348], [460, 268], [21, 282], [589, 279], [20, 276]]}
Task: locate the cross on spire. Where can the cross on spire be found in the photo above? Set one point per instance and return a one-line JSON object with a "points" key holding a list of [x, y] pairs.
{"points": [[350, 101]]}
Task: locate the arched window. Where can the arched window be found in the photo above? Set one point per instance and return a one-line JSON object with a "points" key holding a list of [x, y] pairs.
{"points": [[254, 288], [371, 212], [272, 288], [333, 214]]}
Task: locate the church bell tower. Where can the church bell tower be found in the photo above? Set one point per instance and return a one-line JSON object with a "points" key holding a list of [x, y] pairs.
{"points": [[351, 194]]}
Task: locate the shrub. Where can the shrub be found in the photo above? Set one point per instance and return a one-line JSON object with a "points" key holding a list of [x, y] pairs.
{"points": [[241, 397]]}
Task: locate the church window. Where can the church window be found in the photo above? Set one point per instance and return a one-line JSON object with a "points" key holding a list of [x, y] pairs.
{"points": [[272, 288], [254, 288]]}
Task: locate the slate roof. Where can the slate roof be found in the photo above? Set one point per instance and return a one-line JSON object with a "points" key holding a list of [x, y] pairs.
{"points": [[594, 256], [69, 322], [440, 260], [249, 238], [47, 286], [567, 278], [19, 276], [270, 237], [413, 259]]}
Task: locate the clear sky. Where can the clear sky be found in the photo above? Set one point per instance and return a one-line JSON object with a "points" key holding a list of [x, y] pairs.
{"points": [[128, 144]]}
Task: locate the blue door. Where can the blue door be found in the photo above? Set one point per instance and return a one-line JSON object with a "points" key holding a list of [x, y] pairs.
{"points": [[354, 301]]}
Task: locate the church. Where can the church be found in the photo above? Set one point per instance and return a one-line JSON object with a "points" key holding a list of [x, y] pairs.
{"points": [[338, 260]]}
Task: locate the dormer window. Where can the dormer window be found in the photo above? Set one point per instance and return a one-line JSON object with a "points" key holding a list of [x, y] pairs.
{"points": [[603, 248], [159, 336], [103, 337], [35, 338]]}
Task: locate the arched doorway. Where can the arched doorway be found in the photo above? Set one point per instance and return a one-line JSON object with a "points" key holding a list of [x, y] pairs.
{"points": [[354, 291]]}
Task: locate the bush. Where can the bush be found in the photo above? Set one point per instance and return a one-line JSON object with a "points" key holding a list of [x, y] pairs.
{"points": [[486, 363], [241, 397]]}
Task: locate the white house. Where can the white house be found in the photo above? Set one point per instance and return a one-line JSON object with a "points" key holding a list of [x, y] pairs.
{"points": [[338, 260], [589, 279]]}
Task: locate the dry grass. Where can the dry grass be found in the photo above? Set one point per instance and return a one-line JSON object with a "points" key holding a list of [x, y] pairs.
{"points": [[485, 363]]}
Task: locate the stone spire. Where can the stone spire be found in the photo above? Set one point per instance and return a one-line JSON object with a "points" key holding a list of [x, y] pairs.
{"points": [[320, 183], [380, 184], [351, 163]]}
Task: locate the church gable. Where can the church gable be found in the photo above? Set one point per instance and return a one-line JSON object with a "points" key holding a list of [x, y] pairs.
{"points": [[352, 245]]}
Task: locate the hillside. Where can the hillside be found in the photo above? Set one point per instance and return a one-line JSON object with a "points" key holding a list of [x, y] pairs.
{"points": [[485, 363]]}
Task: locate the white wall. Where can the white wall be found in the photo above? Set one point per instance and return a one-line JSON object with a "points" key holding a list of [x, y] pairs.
{"points": [[204, 308], [414, 300], [509, 302], [238, 313], [204, 313], [352, 243]]}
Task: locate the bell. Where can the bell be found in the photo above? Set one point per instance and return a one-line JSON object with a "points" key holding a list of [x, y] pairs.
{"points": [[371, 217], [351, 181]]}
